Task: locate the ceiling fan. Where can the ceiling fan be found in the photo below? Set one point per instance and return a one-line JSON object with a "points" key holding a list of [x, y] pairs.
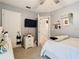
{"points": [[41, 2], [55, 1]]}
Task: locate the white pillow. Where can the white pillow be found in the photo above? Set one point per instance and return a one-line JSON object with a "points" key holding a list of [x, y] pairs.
{"points": [[62, 37]]}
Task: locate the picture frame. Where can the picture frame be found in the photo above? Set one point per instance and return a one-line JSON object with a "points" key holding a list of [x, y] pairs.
{"points": [[65, 21], [57, 25]]}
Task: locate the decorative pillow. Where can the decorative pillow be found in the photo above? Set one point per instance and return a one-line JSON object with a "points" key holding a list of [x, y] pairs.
{"points": [[53, 38]]}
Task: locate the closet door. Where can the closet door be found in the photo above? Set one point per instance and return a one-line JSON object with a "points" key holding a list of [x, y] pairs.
{"points": [[43, 29], [11, 21]]}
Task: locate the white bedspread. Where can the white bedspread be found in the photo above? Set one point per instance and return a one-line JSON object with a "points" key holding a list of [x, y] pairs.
{"points": [[61, 50]]}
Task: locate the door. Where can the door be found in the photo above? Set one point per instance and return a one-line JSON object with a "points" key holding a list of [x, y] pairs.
{"points": [[43, 29], [11, 21]]}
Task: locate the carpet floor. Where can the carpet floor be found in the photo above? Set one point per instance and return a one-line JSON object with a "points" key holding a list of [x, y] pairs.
{"points": [[30, 53]]}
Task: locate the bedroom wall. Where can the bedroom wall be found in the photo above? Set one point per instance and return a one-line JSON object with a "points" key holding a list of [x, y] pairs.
{"points": [[72, 29], [25, 14], [45, 13], [0, 16]]}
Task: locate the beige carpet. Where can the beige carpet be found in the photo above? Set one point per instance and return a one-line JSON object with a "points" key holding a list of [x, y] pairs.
{"points": [[31, 53]]}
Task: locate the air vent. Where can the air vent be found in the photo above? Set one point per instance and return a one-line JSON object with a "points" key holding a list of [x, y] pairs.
{"points": [[28, 7], [56, 1]]}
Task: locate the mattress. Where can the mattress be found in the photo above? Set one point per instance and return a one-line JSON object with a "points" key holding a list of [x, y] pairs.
{"points": [[66, 49]]}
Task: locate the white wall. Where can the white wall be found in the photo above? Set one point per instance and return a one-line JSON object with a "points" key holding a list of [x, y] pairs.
{"points": [[25, 14], [72, 29], [29, 15], [0, 15]]}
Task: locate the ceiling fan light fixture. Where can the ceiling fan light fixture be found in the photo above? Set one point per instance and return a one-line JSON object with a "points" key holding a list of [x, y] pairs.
{"points": [[42, 2], [57, 1]]}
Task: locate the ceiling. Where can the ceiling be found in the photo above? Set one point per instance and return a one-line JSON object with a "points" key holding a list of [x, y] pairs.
{"points": [[47, 6]]}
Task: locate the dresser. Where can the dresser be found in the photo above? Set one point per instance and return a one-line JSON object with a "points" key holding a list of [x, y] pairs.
{"points": [[28, 41]]}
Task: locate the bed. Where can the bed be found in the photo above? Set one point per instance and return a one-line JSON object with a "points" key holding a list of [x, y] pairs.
{"points": [[65, 49]]}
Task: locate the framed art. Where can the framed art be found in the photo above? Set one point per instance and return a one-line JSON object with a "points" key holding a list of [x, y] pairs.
{"points": [[65, 21], [57, 25]]}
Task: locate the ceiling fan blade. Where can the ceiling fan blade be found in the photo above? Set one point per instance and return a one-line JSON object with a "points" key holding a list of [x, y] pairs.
{"points": [[42, 2], [56, 1]]}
